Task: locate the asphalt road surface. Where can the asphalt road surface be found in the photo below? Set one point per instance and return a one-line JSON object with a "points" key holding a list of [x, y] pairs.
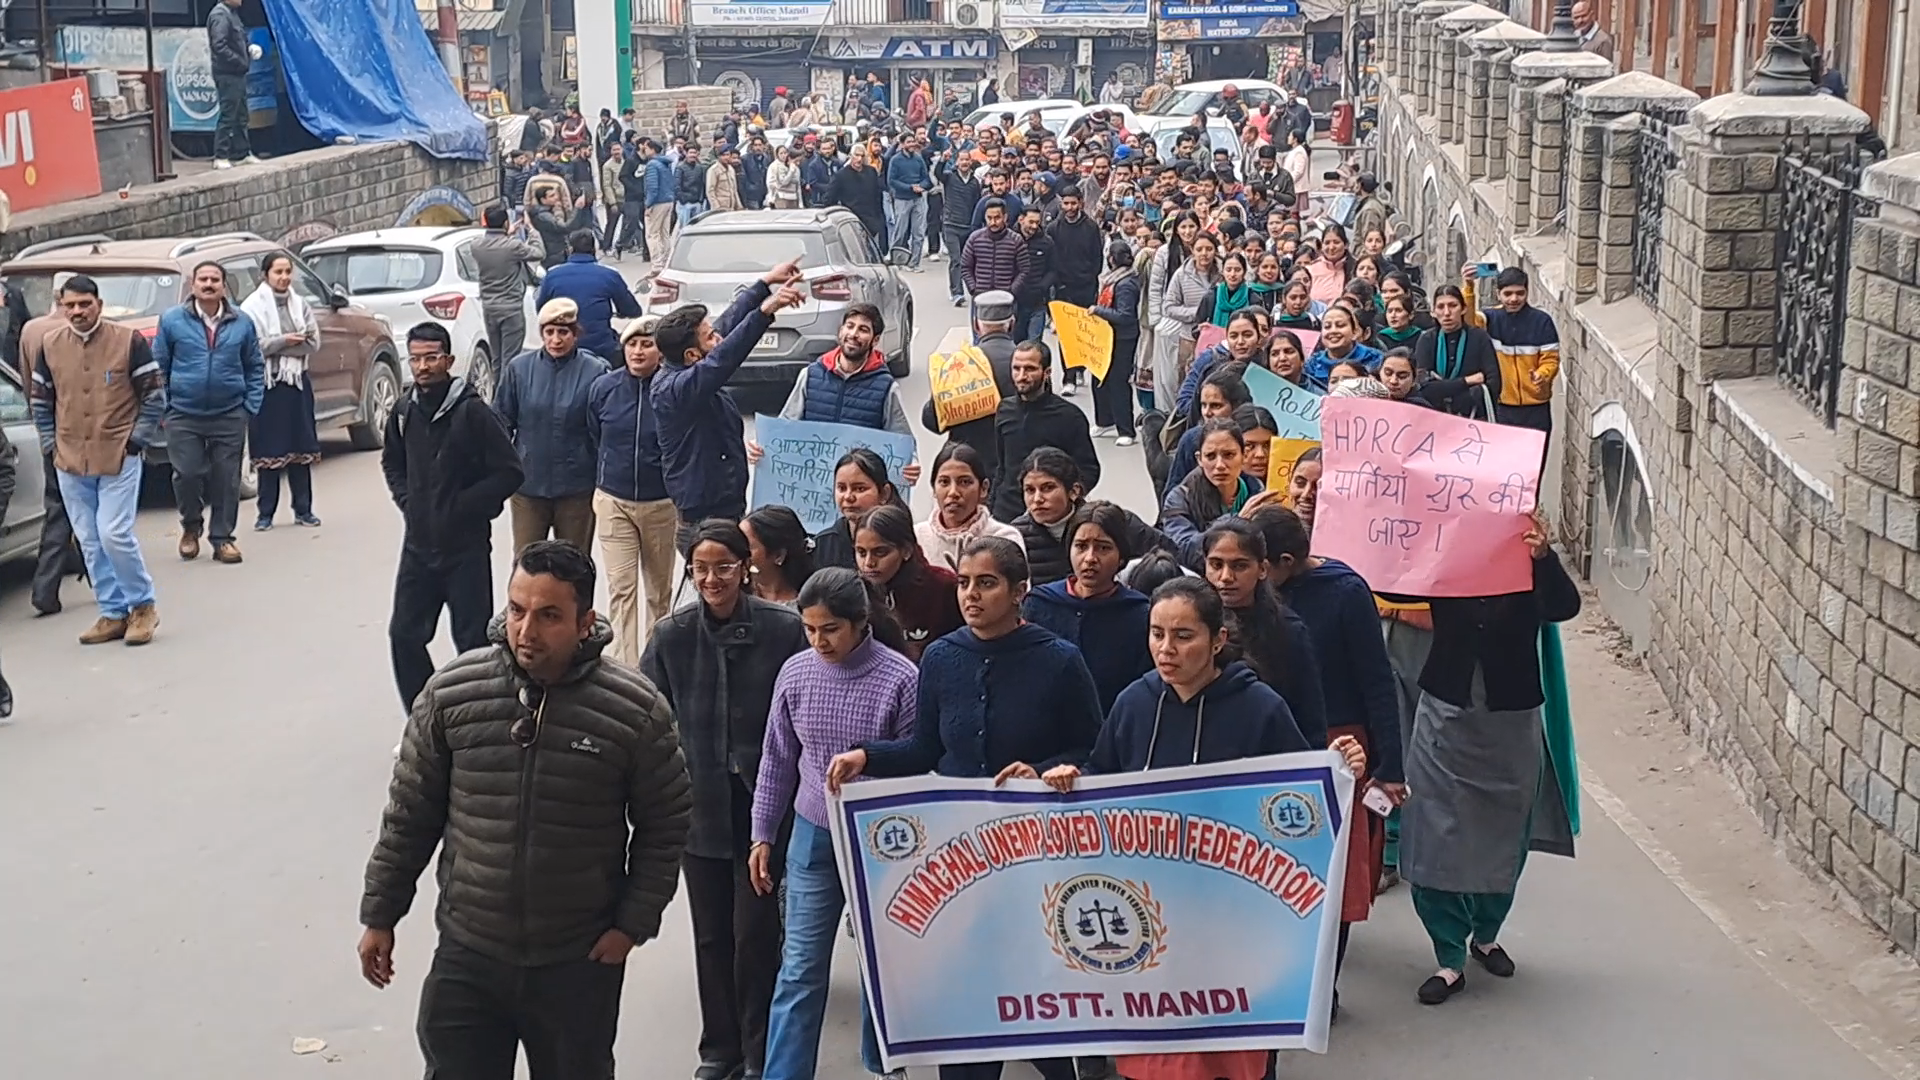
{"points": [[183, 829]]}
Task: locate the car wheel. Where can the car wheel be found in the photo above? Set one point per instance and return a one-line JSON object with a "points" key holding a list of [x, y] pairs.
{"points": [[901, 365], [376, 405], [480, 372]]}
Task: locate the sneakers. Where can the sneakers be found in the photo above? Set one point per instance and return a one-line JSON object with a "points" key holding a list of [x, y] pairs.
{"points": [[307, 520], [250, 159], [104, 630], [934, 255], [141, 623], [226, 552], [222, 163], [262, 524], [959, 301], [1104, 431], [189, 546], [1072, 389], [1124, 440]]}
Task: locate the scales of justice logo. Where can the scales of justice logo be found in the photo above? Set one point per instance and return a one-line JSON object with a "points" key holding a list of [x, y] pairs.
{"points": [[1103, 925], [896, 837], [1290, 815]]}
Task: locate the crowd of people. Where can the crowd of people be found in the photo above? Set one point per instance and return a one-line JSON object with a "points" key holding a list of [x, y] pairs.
{"points": [[571, 768]]}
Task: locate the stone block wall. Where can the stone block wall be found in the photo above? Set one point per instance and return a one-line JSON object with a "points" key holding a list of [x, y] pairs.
{"points": [[331, 189], [1781, 616], [708, 105]]}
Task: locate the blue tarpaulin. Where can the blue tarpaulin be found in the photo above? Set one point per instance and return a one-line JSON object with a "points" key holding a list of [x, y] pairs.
{"points": [[366, 68]]}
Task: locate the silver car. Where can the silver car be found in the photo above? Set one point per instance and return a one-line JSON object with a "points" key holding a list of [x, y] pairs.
{"points": [[20, 534], [719, 254]]}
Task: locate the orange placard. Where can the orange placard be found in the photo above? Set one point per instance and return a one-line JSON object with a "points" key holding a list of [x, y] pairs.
{"points": [[47, 154]]}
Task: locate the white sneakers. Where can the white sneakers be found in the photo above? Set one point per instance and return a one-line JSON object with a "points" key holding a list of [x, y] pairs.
{"points": [[1105, 431], [222, 163], [1124, 440], [250, 159]]}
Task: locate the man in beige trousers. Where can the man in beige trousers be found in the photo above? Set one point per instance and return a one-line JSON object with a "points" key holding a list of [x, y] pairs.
{"points": [[636, 519]]}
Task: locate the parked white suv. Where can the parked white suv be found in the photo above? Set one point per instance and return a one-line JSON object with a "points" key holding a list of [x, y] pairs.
{"points": [[414, 274]]}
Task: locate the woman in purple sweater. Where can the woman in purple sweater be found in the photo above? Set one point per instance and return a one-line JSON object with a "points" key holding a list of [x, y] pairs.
{"points": [[852, 687]]}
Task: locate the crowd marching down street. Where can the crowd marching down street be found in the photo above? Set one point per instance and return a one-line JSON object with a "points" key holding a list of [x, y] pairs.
{"points": [[573, 768]]}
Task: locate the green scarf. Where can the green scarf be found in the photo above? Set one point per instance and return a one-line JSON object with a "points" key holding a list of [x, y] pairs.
{"points": [[1398, 338], [1240, 496], [1228, 301]]}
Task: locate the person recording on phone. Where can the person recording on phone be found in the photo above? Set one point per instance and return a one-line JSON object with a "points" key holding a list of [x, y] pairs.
{"points": [[1527, 342]]}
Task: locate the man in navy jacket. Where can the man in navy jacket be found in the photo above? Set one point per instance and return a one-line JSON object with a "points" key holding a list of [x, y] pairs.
{"points": [[209, 353], [658, 189], [634, 517], [702, 437], [599, 292]]}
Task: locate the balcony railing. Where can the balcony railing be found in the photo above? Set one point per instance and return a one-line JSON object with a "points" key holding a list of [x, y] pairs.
{"points": [[659, 12], [872, 12]]}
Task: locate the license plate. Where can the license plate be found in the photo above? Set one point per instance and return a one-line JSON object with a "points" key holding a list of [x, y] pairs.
{"points": [[769, 342]]}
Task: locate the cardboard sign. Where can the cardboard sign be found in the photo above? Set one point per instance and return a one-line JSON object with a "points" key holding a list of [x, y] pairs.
{"points": [[1420, 503], [1282, 457], [1295, 408], [1207, 337], [1086, 339], [797, 469], [963, 386]]}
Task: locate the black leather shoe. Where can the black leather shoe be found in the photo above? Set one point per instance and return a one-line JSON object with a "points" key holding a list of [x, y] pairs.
{"points": [[1495, 960], [717, 1070], [1436, 990]]}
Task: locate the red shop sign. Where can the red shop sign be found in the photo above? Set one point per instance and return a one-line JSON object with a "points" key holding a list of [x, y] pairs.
{"points": [[47, 153]]}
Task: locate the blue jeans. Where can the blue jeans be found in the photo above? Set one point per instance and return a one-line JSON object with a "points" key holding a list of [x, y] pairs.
{"points": [[102, 509], [686, 211], [910, 228], [814, 902]]}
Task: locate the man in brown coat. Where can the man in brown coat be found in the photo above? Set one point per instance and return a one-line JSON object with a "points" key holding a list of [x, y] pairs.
{"points": [[524, 763]]}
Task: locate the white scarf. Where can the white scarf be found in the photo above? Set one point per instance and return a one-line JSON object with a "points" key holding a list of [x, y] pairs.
{"points": [[263, 307]]}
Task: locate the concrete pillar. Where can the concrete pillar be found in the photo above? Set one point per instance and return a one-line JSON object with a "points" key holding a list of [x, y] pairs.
{"points": [[1503, 42], [1425, 56], [1542, 81], [1452, 29], [1602, 190]]}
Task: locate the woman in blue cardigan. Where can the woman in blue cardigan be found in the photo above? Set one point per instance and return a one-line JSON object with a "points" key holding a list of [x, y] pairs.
{"points": [[998, 697]]}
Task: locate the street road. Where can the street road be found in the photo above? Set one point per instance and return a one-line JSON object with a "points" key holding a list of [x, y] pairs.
{"points": [[183, 829]]}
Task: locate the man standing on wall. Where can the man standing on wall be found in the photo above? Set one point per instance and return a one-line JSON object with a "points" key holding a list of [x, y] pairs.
{"points": [[231, 56]]}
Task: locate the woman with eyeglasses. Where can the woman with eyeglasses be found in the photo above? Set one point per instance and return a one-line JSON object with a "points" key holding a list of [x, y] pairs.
{"points": [[1000, 697], [920, 595], [716, 662], [782, 553], [851, 687], [860, 483]]}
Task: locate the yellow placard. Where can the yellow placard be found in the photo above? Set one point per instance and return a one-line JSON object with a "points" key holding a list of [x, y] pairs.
{"points": [[1285, 453], [963, 386], [1086, 339]]}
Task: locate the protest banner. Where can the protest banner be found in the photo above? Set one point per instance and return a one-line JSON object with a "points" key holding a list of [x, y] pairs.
{"points": [[796, 469], [1295, 408], [1185, 909], [1207, 337], [1425, 504], [1282, 456], [1086, 339], [1309, 339], [963, 386]]}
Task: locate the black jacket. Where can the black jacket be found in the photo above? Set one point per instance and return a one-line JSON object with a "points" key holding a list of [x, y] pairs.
{"points": [[554, 224], [542, 848], [1449, 391], [962, 195], [690, 182], [979, 434], [1124, 315], [1047, 556], [859, 190], [1079, 254], [753, 179], [450, 470], [1021, 427], [227, 40], [1500, 635], [718, 678], [1037, 286]]}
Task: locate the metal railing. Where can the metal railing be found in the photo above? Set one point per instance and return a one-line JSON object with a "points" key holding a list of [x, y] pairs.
{"points": [[1653, 159], [1821, 198]]}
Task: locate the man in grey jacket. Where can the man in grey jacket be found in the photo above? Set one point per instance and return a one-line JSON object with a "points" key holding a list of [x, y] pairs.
{"points": [[505, 267], [543, 400], [535, 924], [230, 54]]}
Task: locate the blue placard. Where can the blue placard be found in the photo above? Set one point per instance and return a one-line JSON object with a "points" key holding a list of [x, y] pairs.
{"points": [[1181, 910], [1295, 408], [797, 468]]}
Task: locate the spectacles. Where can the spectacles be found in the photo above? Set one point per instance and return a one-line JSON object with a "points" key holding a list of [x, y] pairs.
{"points": [[526, 729], [723, 569]]}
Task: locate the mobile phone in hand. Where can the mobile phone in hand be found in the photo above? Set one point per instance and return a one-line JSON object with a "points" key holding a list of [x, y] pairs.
{"points": [[1377, 801]]}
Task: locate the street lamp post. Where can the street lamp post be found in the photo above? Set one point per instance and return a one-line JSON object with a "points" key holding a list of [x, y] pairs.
{"points": [[1562, 35], [1783, 71]]}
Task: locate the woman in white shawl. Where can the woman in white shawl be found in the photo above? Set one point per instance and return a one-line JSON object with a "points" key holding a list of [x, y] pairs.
{"points": [[282, 436], [783, 181]]}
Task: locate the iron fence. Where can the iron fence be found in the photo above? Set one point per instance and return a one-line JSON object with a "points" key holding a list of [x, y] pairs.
{"points": [[1821, 199], [1653, 159]]}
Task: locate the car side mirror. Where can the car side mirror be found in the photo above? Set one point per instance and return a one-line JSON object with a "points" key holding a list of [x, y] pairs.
{"points": [[337, 297]]}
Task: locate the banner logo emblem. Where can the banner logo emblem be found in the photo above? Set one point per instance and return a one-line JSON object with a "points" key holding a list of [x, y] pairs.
{"points": [[1104, 926], [1290, 815], [896, 838]]}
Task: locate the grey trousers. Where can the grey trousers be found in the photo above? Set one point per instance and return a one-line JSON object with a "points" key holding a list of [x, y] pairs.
{"points": [[506, 337], [205, 453]]}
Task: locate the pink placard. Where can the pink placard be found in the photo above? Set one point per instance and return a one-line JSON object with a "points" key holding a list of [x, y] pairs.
{"points": [[1420, 503], [1309, 340], [1207, 337]]}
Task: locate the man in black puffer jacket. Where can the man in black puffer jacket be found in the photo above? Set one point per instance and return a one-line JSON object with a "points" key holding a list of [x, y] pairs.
{"points": [[524, 763], [961, 192]]}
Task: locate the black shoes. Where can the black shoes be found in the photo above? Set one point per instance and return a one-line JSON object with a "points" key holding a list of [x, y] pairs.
{"points": [[1495, 960], [717, 1070], [1436, 990]]}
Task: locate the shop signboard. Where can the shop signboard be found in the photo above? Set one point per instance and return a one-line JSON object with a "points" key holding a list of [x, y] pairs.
{"points": [[1225, 9], [58, 118], [1220, 29], [1054, 14], [182, 55], [980, 47], [761, 13]]}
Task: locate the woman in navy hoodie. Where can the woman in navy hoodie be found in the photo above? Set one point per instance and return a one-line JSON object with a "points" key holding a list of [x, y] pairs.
{"points": [[998, 697], [1198, 705], [1274, 641], [1091, 608]]}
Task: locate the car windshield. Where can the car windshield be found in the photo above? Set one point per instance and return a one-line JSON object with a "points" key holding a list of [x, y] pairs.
{"points": [[132, 294], [746, 252], [370, 271], [1182, 103], [1216, 139]]}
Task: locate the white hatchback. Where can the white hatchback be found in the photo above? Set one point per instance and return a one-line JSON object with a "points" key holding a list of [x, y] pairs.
{"points": [[415, 274]]}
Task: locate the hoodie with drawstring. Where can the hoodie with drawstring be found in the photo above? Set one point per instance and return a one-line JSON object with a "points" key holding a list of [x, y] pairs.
{"points": [[450, 467], [1236, 716]]}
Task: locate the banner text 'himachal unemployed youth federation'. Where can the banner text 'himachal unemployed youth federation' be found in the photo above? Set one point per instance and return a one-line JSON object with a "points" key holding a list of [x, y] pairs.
{"points": [[1178, 910]]}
